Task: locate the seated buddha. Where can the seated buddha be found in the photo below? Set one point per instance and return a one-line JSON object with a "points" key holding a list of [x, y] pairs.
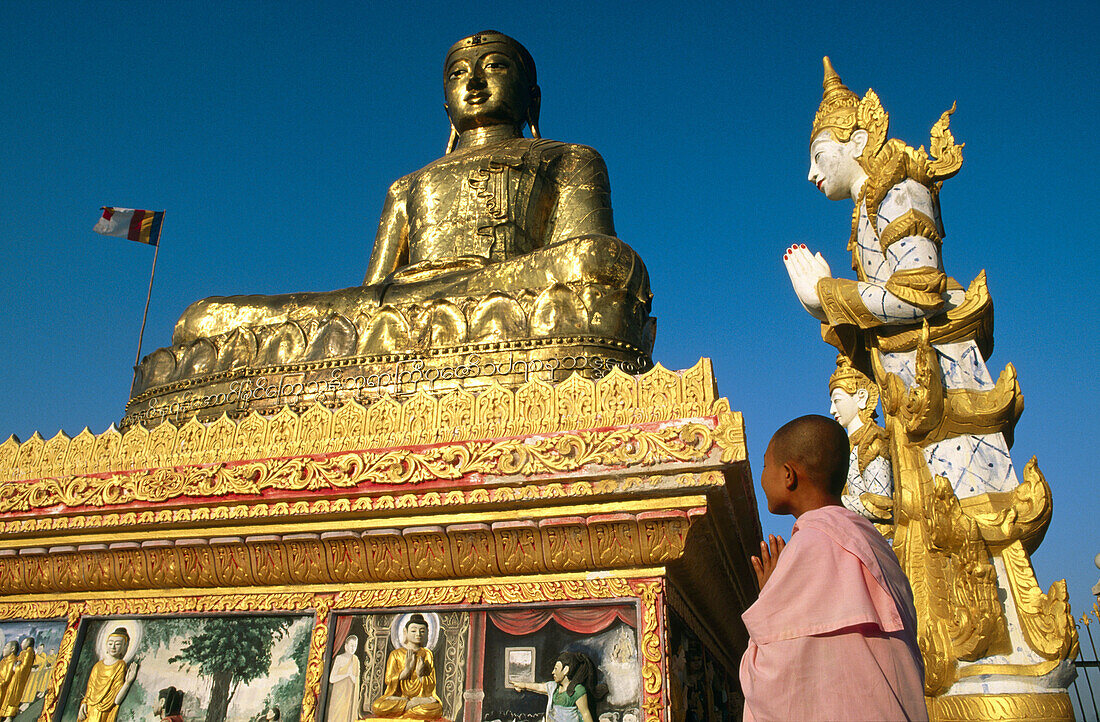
{"points": [[410, 678], [498, 213]]}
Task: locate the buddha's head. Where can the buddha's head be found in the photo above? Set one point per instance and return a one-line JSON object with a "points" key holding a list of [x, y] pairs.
{"points": [[416, 630], [489, 79], [117, 643], [837, 143], [852, 395]]}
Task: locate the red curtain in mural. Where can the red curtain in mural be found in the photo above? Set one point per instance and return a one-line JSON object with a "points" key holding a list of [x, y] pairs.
{"points": [[582, 620], [340, 633]]}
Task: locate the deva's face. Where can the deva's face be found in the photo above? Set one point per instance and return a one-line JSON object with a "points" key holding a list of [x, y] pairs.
{"points": [[833, 166], [844, 407], [484, 85], [351, 645]]}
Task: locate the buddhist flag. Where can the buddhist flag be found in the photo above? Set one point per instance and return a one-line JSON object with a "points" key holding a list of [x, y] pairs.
{"points": [[137, 225]]}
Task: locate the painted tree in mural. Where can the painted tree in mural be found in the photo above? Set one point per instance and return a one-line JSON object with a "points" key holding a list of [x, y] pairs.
{"points": [[231, 651]]}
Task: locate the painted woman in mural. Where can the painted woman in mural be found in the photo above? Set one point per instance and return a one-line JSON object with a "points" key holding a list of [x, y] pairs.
{"points": [[109, 680], [344, 680], [574, 675], [410, 677]]}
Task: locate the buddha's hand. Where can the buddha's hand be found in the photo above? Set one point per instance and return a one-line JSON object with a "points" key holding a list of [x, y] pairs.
{"points": [[82, 713], [131, 673], [420, 666], [805, 270], [410, 660], [765, 564]]}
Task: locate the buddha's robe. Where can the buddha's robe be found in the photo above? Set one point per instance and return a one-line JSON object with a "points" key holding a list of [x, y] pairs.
{"points": [[7, 672], [398, 692], [13, 693], [508, 216], [104, 684], [833, 635]]}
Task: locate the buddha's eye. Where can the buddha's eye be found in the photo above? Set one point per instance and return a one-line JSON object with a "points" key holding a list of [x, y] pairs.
{"points": [[457, 73]]}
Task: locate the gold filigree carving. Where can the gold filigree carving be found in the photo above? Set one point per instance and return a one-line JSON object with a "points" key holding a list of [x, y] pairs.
{"points": [[910, 223], [557, 454], [730, 433], [1022, 514], [568, 406], [383, 502], [921, 287], [61, 666], [508, 547], [1045, 618], [316, 661], [652, 679], [1051, 707]]}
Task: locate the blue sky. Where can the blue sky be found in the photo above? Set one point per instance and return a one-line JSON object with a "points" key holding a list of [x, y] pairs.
{"points": [[270, 132]]}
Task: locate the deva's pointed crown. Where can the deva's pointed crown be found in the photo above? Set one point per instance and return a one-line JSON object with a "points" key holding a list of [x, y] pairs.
{"points": [[838, 108]]}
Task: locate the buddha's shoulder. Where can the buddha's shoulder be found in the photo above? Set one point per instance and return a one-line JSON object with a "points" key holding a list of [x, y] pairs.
{"points": [[556, 149]]}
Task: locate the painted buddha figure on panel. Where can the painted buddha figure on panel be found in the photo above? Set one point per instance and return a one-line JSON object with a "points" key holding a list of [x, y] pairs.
{"points": [[498, 213]]}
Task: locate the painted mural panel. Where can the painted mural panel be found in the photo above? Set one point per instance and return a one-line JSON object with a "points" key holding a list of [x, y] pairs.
{"points": [[701, 688], [235, 668], [511, 664], [28, 653]]}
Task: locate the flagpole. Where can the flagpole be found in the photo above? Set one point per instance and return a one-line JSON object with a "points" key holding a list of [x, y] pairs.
{"points": [[148, 296]]}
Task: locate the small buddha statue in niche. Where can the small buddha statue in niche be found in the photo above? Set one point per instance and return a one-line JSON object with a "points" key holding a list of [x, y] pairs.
{"points": [[870, 487], [498, 213], [410, 677]]}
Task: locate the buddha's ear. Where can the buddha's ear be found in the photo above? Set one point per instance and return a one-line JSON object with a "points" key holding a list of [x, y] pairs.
{"points": [[452, 141], [533, 110]]}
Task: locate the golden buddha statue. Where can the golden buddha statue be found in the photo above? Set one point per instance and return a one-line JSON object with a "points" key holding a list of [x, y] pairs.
{"points": [[410, 678], [498, 213], [109, 680], [505, 239]]}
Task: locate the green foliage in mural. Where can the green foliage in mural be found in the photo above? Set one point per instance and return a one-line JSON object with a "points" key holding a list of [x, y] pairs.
{"points": [[231, 651]]}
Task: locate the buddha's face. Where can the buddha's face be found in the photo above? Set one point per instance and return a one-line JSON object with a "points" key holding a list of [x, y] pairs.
{"points": [[834, 167], [845, 407], [116, 646], [417, 634], [485, 85]]}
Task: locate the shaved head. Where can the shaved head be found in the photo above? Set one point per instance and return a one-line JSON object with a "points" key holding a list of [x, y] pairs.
{"points": [[819, 445]]}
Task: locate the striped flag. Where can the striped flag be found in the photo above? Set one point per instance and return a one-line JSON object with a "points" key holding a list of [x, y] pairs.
{"points": [[137, 225]]}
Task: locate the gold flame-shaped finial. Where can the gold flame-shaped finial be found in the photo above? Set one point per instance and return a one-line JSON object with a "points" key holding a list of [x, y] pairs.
{"points": [[837, 111]]}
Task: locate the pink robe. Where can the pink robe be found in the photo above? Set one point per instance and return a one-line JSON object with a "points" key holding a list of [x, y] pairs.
{"points": [[833, 635]]}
